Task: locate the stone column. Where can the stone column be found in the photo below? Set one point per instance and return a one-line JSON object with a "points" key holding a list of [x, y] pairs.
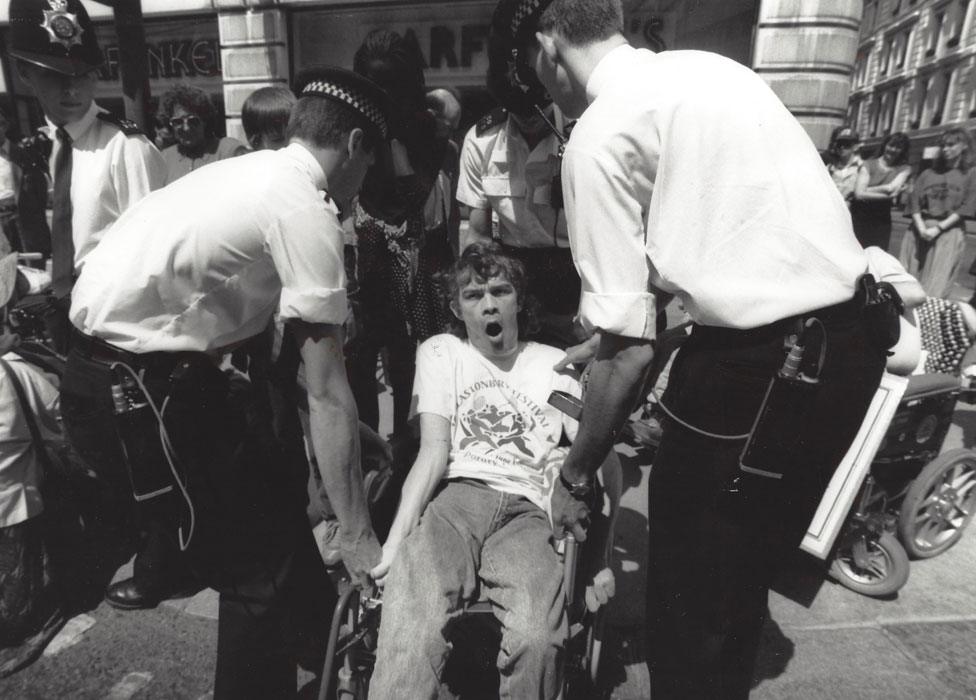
{"points": [[805, 49], [253, 52]]}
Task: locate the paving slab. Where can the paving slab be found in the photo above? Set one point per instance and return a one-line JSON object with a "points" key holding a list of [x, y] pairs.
{"points": [[851, 664], [943, 650]]}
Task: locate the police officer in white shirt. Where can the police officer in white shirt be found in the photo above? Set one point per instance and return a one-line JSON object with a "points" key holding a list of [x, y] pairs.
{"points": [[191, 271], [100, 164], [686, 176], [509, 173]]}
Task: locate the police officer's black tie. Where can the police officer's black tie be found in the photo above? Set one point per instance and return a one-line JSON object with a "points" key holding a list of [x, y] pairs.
{"points": [[62, 243]]}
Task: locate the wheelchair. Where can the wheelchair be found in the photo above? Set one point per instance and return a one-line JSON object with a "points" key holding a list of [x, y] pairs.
{"points": [[351, 651], [915, 503]]}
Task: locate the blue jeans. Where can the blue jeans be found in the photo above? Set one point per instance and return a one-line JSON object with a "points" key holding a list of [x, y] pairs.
{"points": [[473, 536]]}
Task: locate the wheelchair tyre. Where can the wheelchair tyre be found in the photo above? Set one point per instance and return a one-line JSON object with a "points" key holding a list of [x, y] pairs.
{"points": [[886, 572], [939, 504]]}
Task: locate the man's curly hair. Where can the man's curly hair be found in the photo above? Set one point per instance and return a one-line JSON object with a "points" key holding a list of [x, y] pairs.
{"points": [[483, 261], [193, 100]]}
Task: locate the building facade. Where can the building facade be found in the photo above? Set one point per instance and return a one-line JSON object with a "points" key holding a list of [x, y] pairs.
{"points": [[804, 48], [915, 70]]}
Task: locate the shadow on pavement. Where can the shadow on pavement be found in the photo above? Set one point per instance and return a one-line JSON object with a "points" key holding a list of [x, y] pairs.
{"points": [[775, 652]]}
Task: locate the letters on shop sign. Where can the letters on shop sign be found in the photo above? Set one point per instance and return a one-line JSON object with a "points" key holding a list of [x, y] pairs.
{"points": [[170, 59], [445, 49]]}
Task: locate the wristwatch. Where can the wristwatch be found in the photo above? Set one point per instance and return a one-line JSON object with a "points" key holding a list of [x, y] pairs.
{"points": [[580, 490]]}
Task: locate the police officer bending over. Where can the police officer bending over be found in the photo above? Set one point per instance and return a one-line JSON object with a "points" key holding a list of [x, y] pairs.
{"points": [[191, 271], [686, 176]]}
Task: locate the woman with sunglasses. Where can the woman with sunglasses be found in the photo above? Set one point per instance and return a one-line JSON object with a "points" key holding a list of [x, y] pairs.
{"points": [[192, 118]]}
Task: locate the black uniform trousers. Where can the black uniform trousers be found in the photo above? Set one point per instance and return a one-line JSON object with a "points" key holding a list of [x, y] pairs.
{"points": [[251, 539], [713, 553]]}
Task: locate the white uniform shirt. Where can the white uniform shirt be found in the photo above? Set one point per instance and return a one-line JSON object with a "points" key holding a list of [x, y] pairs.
{"points": [[503, 430], [499, 172], [110, 172], [687, 175], [200, 264], [21, 470]]}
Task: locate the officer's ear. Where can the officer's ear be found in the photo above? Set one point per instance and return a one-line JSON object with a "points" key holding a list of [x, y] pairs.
{"points": [[355, 143], [548, 46], [456, 309]]}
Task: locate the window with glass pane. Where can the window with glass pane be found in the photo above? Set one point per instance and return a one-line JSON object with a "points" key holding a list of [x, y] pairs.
{"points": [[958, 23], [935, 32]]}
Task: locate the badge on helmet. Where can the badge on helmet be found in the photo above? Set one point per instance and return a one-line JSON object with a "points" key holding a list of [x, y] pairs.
{"points": [[54, 34]]}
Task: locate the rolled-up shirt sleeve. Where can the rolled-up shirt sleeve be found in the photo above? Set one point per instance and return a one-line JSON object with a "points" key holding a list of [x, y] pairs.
{"points": [[470, 190], [307, 250], [606, 233]]}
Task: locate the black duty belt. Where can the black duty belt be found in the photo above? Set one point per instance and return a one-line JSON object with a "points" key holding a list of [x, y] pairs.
{"points": [[98, 350], [842, 313]]}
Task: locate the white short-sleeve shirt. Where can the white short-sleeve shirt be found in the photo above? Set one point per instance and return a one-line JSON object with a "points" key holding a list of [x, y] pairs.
{"points": [[203, 263], [687, 175], [110, 171], [499, 172], [503, 430]]}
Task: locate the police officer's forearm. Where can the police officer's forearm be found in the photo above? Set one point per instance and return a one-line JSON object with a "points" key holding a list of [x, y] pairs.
{"points": [[334, 423], [612, 391], [335, 440]]}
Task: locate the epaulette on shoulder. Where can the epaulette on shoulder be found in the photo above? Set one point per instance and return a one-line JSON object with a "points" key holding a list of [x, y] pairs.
{"points": [[126, 126], [493, 118]]}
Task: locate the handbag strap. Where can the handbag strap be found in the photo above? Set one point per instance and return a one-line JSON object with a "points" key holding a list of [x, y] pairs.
{"points": [[35, 432]]}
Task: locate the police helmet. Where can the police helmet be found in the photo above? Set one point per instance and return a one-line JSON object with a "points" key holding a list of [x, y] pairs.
{"points": [[54, 34]]}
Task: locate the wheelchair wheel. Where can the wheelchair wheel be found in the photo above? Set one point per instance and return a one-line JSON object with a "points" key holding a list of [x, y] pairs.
{"points": [[939, 504], [871, 565]]}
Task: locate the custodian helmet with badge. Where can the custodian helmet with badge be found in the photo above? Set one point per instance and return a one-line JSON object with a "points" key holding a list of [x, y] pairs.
{"points": [[54, 34]]}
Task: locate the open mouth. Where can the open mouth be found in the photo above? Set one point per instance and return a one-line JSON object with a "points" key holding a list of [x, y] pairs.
{"points": [[493, 329]]}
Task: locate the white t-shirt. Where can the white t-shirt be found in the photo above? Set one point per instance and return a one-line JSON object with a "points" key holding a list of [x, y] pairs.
{"points": [[204, 262], [503, 431], [687, 175]]}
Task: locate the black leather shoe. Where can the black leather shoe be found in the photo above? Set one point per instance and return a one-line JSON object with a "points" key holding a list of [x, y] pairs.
{"points": [[127, 595]]}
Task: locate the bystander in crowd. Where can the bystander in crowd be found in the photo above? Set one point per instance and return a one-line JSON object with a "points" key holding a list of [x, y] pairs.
{"points": [[879, 181], [193, 119], [941, 200]]}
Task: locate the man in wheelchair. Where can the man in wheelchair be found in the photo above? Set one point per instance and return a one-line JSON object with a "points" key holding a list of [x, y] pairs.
{"points": [[474, 513]]}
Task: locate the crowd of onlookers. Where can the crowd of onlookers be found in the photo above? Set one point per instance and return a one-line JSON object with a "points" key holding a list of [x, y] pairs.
{"points": [[944, 183], [937, 198]]}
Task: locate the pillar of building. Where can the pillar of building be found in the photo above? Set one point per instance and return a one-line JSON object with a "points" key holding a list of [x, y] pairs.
{"points": [[805, 49], [253, 52]]}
